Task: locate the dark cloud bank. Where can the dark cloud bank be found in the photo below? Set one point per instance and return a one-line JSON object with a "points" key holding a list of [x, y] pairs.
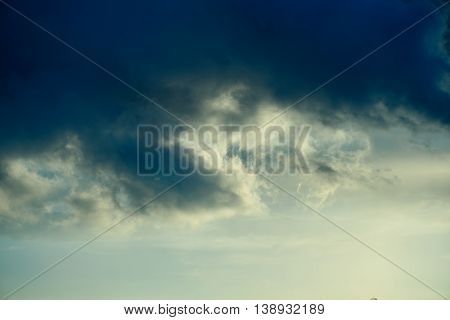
{"points": [[182, 53]]}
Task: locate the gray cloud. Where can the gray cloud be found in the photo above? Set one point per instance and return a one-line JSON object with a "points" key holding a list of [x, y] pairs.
{"points": [[229, 62]]}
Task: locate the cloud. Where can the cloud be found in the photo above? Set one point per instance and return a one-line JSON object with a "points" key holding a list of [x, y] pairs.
{"points": [[59, 190], [230, 62]]}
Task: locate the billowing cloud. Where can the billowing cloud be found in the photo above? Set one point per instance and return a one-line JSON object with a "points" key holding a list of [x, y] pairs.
{"points": [[68, 130], [58, 190]]}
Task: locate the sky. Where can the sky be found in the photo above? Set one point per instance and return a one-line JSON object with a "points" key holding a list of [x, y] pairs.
{"points": [[378, 149]]}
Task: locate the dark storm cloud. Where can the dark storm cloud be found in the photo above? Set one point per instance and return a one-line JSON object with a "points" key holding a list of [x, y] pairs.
{"points": [[182, 53]]}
